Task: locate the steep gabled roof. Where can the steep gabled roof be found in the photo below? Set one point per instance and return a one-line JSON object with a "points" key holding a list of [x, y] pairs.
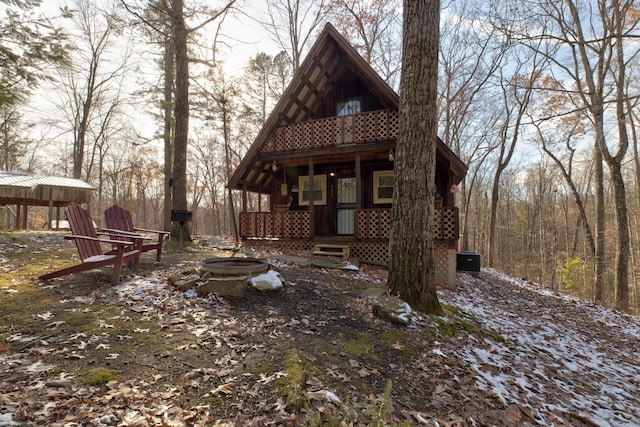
{"points": [[322, 68]]}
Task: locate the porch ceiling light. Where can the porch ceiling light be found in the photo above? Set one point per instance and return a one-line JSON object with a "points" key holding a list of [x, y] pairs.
{"points": [[274, 166], [391, 154]]}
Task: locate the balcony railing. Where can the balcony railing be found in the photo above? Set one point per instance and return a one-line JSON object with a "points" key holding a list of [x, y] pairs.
{"points": [[380, 125], [370, 224]]}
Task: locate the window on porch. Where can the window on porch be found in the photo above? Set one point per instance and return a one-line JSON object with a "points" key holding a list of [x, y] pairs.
{"points": [[383, 187], [319, 190]]}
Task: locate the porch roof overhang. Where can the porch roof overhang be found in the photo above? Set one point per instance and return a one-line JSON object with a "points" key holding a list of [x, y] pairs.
{"points": [[258, 178]]}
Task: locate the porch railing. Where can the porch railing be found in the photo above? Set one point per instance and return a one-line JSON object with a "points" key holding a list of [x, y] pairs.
{"points": [[369, 224], [380, 125]]}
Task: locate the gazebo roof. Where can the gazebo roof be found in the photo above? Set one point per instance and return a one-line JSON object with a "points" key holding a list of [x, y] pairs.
{"points": [[42, 190]]}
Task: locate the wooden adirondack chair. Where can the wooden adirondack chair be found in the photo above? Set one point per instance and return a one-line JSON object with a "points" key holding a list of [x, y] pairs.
{"points": [[119, 220], [90, 247]]}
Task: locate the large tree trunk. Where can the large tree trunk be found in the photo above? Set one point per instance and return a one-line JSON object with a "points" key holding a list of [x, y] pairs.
{"points": [[168, 126], [181, 113], [412, 266], [622, 248], [600, 261]]}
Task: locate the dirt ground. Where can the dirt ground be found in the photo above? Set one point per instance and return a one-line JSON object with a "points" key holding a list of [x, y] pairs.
{"points": [[78, 351]]}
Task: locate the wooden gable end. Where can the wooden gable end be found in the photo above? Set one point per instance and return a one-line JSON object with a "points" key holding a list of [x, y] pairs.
{"points": [[331, 71]]}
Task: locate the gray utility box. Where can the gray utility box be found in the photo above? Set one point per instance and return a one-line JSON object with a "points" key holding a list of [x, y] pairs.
{"points": [[468, 261]]}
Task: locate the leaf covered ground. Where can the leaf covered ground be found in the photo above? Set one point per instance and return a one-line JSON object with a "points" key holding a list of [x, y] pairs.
{"points": [[78, 351]]}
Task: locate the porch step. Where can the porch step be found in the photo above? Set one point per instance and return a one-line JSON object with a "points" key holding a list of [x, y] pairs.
{"points": [[332, 250]]}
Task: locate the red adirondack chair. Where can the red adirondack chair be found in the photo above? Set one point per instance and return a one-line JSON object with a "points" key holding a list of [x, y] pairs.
{"points": [[119, 220], [90, 247]]}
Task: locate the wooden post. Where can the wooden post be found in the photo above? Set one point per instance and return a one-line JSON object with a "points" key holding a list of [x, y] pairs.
{"points": [[358, 193], [18, 213], [57, 217], [25, 214], [50, 217], [312, 222], [244, 198]]}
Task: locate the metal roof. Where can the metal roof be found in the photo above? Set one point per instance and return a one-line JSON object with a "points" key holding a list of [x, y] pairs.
{"points": [[18, 179], [42, 190]]}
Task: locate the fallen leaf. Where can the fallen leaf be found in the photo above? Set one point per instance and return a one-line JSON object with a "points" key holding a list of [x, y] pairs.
{"points": [[223, 389]]}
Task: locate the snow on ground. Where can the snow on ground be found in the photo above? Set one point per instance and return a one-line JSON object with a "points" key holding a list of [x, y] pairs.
{"points": [[562, 358]]}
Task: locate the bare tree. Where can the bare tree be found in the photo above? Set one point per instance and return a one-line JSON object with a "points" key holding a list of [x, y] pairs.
{"points": [[266, 78], [175, 41], [373, 28], [291, 24], [470, 58], [516, 95], [596, 38], [92, 84], [412, 265]]}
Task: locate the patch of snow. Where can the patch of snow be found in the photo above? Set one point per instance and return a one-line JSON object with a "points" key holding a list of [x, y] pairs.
{"points": [[404, 312], [7, 420], [267, 281], [551, 344], [349, 266], [438, 352]]}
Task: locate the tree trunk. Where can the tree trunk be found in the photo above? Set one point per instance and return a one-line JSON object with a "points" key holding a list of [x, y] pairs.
{"points": [[412, 265], [493, 218], [600, 261], [168, 126], [622, 248], [181, 113]]}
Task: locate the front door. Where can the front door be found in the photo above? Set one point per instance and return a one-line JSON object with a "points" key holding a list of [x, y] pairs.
{"points": [[346, 205]]}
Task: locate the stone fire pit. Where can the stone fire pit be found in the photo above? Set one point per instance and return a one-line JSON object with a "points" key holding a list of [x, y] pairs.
{"points": [[230, 277], [234, 266]]}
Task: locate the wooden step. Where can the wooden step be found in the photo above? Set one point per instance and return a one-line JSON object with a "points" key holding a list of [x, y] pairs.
{"points": [[332, 250]]}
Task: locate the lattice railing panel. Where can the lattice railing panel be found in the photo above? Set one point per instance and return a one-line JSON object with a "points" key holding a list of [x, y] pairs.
{"points": [[376, 223], [261, 225], [392, 125], [370, 224], [370, 126], [441, 255], [445, 223], [370, 251], [373, 223]]}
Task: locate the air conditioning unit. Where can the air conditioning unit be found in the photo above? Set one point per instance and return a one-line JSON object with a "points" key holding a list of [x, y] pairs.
{"points": [[468, 261]]}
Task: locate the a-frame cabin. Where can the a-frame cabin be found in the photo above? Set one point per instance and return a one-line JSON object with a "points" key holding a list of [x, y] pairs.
{"points": [[336, 126]]}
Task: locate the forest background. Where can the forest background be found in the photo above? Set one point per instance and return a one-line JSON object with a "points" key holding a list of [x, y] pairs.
{"points": [[539, 99]]}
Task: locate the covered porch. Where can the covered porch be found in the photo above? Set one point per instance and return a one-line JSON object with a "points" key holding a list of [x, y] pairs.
{"points": [[369, 224]]}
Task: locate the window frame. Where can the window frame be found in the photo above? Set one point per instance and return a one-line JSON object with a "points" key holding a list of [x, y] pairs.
{"points": [[302, 180], [341, 104], [376, 186]]}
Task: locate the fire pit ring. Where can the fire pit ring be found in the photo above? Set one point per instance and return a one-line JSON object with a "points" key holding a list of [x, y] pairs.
{"points": [[234, 266]]}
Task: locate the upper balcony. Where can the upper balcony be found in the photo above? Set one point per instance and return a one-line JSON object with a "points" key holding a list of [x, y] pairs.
{"points": [[370, 126]]}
